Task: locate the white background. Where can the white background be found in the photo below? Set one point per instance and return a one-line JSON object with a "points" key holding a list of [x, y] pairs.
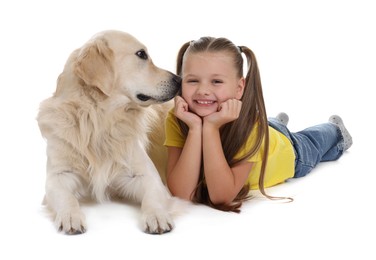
{"points": [[316, 58]]}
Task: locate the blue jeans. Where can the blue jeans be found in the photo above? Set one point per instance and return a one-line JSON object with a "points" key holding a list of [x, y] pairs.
{"points": [[312, 145]]}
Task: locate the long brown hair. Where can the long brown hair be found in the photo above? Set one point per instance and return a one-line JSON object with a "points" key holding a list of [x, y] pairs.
{"points": [[234, 134]]}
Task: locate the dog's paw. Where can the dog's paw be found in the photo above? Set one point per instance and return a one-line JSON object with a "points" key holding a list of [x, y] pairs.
{"points": [[71, 222], [157, 223]]}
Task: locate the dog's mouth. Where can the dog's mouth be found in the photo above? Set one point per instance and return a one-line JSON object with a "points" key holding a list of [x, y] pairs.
{"points": [[143, 97], [161, 99], [170, 89]]}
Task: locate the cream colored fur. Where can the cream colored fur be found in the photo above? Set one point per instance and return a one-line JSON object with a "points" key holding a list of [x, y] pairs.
{"points": [[110, 102]]}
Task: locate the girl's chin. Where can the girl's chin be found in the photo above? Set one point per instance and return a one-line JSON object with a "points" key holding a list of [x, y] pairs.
{"points": [[204, 112]]}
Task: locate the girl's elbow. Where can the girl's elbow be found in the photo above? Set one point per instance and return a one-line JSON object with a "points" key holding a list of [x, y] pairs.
{"points": [[221, 199], [181, 195]]}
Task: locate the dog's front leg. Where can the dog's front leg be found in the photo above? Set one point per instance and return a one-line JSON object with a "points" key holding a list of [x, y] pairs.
{"points": [[156, 218], [60, 198], [153, 195]]}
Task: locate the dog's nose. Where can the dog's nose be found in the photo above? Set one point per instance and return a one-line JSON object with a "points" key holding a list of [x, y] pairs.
{"points": [[176, 80]]}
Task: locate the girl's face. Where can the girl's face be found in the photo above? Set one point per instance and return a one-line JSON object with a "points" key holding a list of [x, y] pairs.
{"points": [[208, 79]]}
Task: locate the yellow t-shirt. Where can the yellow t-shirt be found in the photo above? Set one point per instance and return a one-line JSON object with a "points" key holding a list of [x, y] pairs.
{"points": [[281, 157]]}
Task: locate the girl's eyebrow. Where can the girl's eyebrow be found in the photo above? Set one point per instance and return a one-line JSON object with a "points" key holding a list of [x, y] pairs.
{"points": [[212, 75], [190, 75], [219, 75]]}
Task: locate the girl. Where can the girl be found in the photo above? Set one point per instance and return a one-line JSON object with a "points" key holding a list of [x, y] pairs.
{"points": [[220, 142]]}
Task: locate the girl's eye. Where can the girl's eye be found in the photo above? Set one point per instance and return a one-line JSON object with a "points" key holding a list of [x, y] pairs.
{"points": [[217, 81]]}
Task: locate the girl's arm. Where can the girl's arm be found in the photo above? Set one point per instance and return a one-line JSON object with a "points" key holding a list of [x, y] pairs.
{"points": [[183, 166], [224, 183]]}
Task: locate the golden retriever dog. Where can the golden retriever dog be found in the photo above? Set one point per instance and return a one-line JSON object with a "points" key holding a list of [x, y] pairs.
{"points": [[101, 124]]}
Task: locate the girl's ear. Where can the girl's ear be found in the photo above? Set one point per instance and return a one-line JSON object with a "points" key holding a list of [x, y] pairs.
{"points": [[240, 88]]}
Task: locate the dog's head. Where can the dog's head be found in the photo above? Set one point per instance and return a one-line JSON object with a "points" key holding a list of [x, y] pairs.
{"points": [[119, 65]]}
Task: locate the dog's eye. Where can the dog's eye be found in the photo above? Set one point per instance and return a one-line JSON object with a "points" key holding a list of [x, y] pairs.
{"points": [[142, 54]]}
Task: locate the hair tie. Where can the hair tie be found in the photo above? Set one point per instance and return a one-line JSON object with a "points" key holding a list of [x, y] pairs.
{"points": [[240, 49]]}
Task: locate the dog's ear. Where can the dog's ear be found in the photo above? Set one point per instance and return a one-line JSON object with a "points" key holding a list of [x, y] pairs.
{"points": [[94, 65]]}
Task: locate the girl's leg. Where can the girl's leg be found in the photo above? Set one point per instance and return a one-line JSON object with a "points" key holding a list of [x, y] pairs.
{"points": [[325, 142], [312, 145], [347, 139], [279, 123]]}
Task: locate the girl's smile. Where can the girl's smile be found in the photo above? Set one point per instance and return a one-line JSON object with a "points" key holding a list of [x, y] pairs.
{"points": [[205, 102]]}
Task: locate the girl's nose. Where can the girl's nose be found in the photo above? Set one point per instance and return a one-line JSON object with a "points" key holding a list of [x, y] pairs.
{"points": [[203, 89]]}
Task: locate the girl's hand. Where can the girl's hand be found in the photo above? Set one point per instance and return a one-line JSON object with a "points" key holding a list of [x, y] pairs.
{"points": [[181, 111], [227, 111]]}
